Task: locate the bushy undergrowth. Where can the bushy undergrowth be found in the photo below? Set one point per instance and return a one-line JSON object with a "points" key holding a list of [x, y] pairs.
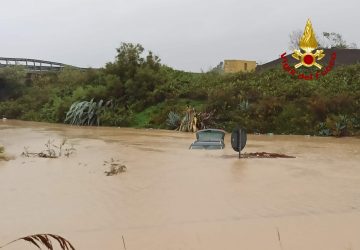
{"points": [[146, 93]]}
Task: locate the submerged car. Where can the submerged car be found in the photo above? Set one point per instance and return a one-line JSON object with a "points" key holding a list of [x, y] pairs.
{"points": [[209, 139]]}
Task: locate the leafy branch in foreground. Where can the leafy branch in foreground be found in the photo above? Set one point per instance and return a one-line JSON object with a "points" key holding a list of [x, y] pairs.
{"points": [[45, 240]]}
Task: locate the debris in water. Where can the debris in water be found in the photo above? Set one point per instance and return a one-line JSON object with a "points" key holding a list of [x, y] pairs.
{"points": [[265, 155], [115, 167], [52, 150]]}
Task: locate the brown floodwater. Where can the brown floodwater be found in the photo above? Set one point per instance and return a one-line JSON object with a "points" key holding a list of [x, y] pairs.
{"points": [[175, 198]]}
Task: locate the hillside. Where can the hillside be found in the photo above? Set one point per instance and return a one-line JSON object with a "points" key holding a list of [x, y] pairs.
{"points": [[141, 93]]}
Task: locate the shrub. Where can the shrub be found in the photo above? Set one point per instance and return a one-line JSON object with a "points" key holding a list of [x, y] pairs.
{"points": [[173, 120], [85, 113], [117, 116]]}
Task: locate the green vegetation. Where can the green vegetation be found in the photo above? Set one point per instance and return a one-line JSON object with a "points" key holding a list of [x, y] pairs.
{"points": [[86, 113], [3, 156], [144, 93]]}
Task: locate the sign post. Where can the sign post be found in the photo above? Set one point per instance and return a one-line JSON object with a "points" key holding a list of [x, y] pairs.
{"points": [[238, 139]]}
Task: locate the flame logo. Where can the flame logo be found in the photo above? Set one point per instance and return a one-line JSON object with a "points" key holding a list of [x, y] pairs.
{"points": [[308, 40], [308, 43]]}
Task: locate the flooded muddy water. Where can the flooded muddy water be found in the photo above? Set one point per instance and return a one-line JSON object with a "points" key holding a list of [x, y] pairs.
{"points": [[175, 198]]}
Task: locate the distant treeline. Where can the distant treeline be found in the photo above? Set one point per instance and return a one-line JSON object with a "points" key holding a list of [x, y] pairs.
{"points": [[141, 92]]}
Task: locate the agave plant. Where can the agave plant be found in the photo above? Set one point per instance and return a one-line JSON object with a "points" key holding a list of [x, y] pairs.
{"points": [[323, 130], [173, 120], [244, 105], [86, 113], [355, 122], [341, 126]]}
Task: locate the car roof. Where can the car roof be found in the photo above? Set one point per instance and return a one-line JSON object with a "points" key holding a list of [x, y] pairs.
{"points": [[211, 130]]}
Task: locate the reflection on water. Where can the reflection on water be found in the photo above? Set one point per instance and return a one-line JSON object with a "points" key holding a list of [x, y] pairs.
{"points": [[175, 198]]}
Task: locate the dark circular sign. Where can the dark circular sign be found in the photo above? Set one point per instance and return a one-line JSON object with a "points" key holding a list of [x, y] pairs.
{"points": [[238, 139]]}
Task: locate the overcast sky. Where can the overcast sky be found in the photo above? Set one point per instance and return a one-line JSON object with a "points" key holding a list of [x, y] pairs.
{"points": [[188, 34]]}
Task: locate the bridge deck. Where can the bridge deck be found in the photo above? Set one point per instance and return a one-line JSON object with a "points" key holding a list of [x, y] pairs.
{"points": [[33, 65]]}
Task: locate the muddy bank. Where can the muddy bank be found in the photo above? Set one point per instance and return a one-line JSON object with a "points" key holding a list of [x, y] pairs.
{"points": [[173, 198]]}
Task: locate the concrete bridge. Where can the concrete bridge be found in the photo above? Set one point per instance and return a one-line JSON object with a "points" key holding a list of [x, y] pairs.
{"points": [[33, 65]]}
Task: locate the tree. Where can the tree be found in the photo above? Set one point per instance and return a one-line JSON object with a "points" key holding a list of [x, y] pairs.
{"points": [[335, 40], [218, 69], [295, 37], [128, 59], [12, 82], [138, 76], [327, 40]]}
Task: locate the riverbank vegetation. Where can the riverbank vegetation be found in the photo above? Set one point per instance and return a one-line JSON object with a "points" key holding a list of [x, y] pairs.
{"points": [[137, 90], [2, 155]]}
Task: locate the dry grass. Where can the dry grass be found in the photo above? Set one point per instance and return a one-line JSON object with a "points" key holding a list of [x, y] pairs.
{"points": [[39, 240], [52, 150]]}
